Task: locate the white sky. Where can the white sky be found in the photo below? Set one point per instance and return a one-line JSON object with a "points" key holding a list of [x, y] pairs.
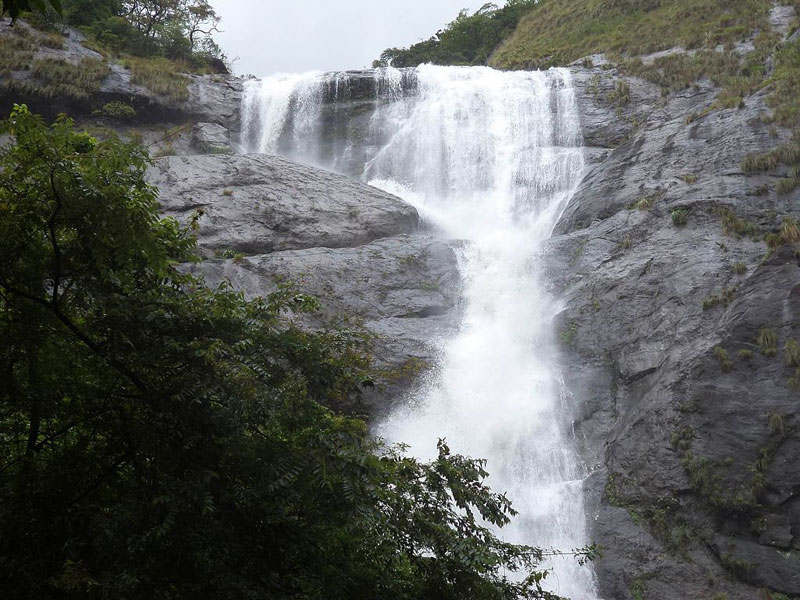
{"points": [[271, 36]]}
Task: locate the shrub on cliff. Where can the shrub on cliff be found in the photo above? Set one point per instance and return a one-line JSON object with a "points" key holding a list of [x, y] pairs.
{"points": [[162, 439]]}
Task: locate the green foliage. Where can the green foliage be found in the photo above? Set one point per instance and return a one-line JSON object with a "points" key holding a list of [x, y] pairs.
{"points": [[738, 566], [160, 439], [612, 490], [557, 32], [408, 371], [117, 110], [785, 102], [708, 482], [690, 178], [468, 40], [794, 381], [676, 72], [637, 589], [739, 268], [724, 297], [61, 79], [792, 351], [679, 216], [16, 52], [178, 30], [785, 83], [15, 7], [568, 334], [787, 154], [646, 201], [620, 96], [681, 439], [733, 225], [159, 75], [790, 232], [777, 423]]}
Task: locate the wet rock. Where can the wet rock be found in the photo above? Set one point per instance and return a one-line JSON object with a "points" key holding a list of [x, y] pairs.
{"points": [[211, 138], [403, 289], [673, 394], [777, 532], [759, 565], [268, 221], [781, 19]]}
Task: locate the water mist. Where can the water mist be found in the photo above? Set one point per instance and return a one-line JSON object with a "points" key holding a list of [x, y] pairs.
{"points": [[491, 158]]}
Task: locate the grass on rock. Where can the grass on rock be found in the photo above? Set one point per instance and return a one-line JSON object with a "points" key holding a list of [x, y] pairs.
{"points": [[159, 75]]}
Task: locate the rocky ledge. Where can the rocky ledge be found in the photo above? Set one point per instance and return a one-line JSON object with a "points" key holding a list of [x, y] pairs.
{"points": [[265, 221], [163, 122]]}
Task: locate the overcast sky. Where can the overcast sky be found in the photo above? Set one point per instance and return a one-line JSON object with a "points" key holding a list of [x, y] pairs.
{"points": [[271, 36]]}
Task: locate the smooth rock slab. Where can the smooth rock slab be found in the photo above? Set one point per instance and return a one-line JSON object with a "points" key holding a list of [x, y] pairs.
{"points": [[402, 289], [256, 204]]}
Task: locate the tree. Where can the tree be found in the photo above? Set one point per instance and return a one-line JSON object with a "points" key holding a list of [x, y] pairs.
{"points": [[200, 20], [150, 16], [15, 7], [160, 439], [467, 40]]}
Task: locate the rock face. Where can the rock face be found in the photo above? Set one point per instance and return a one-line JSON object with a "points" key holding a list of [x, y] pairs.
{"points": [[211, 99], [255, 204], [680, 365], [362, 251], [211, 138]]}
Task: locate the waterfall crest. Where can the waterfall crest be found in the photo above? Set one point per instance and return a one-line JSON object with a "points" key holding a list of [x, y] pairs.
{"points": [[490, 157]]}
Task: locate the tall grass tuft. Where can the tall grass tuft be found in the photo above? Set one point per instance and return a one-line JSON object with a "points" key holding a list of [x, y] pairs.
{"points": [[159, 75]]}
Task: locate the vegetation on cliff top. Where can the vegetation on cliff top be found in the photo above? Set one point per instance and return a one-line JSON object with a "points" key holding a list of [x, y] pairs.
{"points": [[527, 34], [557, 32], [158, 40], [160, 439], [468, 40], [179, 30]]}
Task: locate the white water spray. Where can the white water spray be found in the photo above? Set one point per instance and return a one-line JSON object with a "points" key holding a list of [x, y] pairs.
{"points": [[492, 158]]}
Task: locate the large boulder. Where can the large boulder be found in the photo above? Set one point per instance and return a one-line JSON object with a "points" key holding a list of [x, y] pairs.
{"points": [[264, 221], [255, 204]]}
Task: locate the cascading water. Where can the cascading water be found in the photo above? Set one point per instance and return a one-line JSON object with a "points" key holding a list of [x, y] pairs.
{"points": [[491, 158]]}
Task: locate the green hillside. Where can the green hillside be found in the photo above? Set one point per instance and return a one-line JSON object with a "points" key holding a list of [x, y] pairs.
{"points": [[525, 34], [556, 32]]}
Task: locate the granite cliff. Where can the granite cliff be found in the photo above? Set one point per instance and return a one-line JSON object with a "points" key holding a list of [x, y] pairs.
{"points": [[678, 270]]}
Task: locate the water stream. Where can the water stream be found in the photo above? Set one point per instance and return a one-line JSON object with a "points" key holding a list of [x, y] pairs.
{"points": [[489, 157]]}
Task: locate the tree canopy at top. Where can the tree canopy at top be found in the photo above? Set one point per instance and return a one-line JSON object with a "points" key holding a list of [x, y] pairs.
{"points": [[15, 7]]}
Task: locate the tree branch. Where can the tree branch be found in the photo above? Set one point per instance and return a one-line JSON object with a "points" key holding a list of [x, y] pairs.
{"points": [[53, 240], [89, 342]]}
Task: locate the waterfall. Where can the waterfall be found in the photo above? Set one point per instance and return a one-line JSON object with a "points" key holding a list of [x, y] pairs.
{"points": [[490, 157]]}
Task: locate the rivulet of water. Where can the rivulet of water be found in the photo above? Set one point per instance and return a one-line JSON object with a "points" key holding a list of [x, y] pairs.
{"points": [[489, 157]]}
